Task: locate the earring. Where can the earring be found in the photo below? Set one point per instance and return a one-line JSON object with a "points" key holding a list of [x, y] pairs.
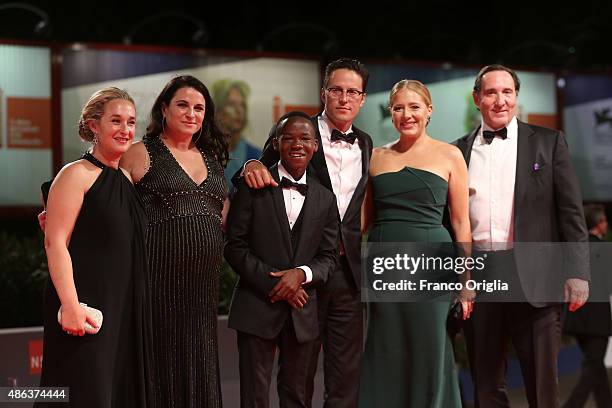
{"points": [[94, 140], [162, 124], [199, 135], [428, 119]]}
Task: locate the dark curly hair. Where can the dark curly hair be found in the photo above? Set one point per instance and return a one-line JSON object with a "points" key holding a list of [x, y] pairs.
{"points": [[212, 139]]}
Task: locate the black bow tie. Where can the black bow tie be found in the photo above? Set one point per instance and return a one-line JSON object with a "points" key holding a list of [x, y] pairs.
{"points": [[337, 135], [489, 135], [301, 188]]}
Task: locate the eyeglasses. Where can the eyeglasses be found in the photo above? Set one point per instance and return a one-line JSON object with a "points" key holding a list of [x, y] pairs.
{"points": [[352, 94]]}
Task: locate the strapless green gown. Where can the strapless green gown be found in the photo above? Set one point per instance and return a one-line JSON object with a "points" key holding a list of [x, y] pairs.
{"points": [[408, 358]]}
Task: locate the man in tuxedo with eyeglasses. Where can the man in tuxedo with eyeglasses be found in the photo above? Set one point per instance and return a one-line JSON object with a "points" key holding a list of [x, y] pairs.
{"points": [[523, 189], [341, 165]]}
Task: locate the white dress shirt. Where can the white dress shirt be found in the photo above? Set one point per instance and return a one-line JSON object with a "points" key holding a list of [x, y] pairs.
{"points": [[492, 174], [294, 201], [343, 164]]}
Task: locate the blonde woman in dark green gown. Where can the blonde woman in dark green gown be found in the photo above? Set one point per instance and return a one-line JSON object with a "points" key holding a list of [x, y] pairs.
{"points": [[408, 358]]}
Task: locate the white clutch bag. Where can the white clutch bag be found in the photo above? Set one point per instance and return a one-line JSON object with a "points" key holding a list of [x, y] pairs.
{"points": [[92, 312]]}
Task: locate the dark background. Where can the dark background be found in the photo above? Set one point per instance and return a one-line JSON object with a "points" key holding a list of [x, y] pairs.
{"points": [[541, 36]]}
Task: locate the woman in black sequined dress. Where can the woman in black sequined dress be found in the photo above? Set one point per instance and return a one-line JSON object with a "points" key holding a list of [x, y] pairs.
{"points": [[178, 172]]}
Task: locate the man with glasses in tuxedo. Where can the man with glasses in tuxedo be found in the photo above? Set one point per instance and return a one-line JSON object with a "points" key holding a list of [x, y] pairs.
{"points": [[341, 165]]}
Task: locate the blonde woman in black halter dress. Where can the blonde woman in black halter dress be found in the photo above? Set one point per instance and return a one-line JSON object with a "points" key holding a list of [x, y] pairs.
{"points": [[94, 239], [178, 173]]}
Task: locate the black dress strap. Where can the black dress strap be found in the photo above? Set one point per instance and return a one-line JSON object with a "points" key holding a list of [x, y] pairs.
{"points": [[90, 158]]}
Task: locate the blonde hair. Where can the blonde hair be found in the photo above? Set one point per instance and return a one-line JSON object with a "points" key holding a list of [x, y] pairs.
{"points": [[95, 106], [411, 85]]}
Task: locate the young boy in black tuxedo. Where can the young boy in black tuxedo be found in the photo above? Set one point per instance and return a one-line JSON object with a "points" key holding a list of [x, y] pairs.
{"points": [[279, 258]]}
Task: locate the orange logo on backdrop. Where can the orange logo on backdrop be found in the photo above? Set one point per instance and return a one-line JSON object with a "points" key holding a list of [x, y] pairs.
{"points": [[542, 119], [279, 110], [29, 122], [35, 348]]}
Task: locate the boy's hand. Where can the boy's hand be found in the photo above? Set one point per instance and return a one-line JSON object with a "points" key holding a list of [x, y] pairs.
{"points": [[290, 282], [299, 300]]}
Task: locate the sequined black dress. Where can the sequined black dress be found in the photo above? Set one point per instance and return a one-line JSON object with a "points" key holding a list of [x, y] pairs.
{"points": [[185, 248], [107, 248]]}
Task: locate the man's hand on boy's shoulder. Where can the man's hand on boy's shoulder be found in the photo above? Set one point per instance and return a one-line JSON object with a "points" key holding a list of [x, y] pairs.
{"points": [[288, 285], [257, 176]]}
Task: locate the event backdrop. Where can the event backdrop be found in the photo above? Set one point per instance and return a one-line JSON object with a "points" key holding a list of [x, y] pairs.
{"points": [[25, 123], [276, 85], [587, 120], [454, 112]]}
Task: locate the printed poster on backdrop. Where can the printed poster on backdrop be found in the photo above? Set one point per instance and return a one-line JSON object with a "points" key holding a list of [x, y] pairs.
{"points": [[25, 124]]}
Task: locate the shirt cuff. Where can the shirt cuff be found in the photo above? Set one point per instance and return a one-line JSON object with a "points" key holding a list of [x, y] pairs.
{"points": [[245, 164], [307, 272]]}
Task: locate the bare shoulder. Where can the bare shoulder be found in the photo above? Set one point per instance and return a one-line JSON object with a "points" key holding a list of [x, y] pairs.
{"points": [[377, 151], [135, 153], [74, 170], [388, 147], [78, 175], [135, 161], [456, 159], [382, 151], [448, 150], [379, 154], [67, 194]]}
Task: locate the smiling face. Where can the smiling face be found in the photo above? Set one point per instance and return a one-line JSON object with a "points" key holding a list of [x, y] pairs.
{"points": [[185, 113], [296, 143], [342, 110], [496, 99], [115, 129], [409, 113]]}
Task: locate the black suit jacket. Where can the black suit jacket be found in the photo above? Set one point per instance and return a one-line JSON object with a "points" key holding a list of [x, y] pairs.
{"points": [[594, 318], [350, 226], [258, 241], [547, 208]]}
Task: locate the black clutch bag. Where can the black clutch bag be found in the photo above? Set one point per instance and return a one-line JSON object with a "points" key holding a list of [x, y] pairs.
{"points": [[454, 320]]}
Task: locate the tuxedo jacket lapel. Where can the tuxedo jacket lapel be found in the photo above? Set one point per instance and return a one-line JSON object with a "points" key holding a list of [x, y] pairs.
{"points": [[524, 160], [281, 212], [307, 214], [318, 159], [465, 145], [365, 165]]}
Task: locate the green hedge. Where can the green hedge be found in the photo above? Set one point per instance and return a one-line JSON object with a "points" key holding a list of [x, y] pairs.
{"points": [[23, 273]]}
